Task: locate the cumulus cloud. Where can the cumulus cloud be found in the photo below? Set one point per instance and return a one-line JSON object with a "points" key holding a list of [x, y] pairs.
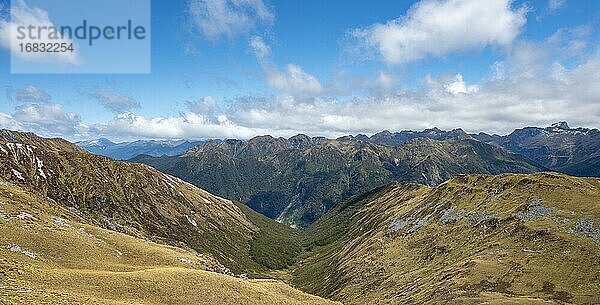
{"points": [[206, 106], [439, 27], [498, 105], [453, 84], [47, 119], [188, 125], [32, 94], [291, 79], [22, 14], [228, 18], [37, 113], [114, 101]]}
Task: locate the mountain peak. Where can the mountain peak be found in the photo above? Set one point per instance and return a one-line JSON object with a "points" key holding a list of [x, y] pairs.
{"points": [[560, 125]]}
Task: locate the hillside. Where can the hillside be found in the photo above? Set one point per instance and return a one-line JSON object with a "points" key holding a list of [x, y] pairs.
{"points": [[297, 180], [49, 254], [506, 239], [142, 202]]}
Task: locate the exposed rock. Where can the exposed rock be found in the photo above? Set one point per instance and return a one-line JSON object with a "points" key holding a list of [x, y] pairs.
{"points": [[16, 248], [25, 216], [397, 224], [586, 226], [534, 210], [185, 260], [418, 224], [60, 221], [477, 219], [448, 215]]}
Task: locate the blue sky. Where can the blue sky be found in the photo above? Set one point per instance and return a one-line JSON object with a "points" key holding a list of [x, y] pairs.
{"points": [[240, 68]]}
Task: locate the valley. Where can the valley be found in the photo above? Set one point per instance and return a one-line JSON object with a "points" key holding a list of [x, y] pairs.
{"points": [[77, 227], [297, 180]]}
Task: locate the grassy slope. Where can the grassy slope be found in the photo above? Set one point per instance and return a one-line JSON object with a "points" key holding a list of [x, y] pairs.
{"points": [[79, 263], [143, 202], [432, 259], [274, 245]]}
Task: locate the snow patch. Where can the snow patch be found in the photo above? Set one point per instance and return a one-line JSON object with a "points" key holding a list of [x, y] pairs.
{"points": [[17, 174], [191, 221], [16, 248], [25, 216], [40, 164]]}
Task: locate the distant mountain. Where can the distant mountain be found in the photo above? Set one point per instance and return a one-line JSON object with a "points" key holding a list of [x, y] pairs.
{"points": [[297, 180], [475, 239], [575, 151], [128, 150], [140, 201], [397, 138]]}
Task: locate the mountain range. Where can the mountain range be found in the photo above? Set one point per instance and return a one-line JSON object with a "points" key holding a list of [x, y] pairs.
{"points": [[82, 228], [297, 180], [575, 151], [128, 150]]}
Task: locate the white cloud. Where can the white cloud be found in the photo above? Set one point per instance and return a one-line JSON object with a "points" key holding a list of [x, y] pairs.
{"points": [[47, 119], [292, 79], [435, 28], [206, 106], [454, 85], [23, 15], [188, 125], [554, 5], [259, 47], [48, 113], [114, 101], [32, 94], [229, 18]]}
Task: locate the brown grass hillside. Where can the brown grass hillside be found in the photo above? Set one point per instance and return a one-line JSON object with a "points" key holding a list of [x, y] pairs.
{"points": [[48, 257], [506, 239]]}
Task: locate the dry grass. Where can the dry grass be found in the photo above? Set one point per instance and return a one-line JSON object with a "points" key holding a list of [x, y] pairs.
{"points": [[502, 260], [77, 263]]}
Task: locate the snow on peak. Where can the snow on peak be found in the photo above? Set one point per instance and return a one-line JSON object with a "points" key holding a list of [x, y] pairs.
{"points": [[560, 125]]}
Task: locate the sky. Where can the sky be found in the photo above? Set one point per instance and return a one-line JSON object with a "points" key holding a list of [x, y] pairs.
{"points": [[242, 68]]}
